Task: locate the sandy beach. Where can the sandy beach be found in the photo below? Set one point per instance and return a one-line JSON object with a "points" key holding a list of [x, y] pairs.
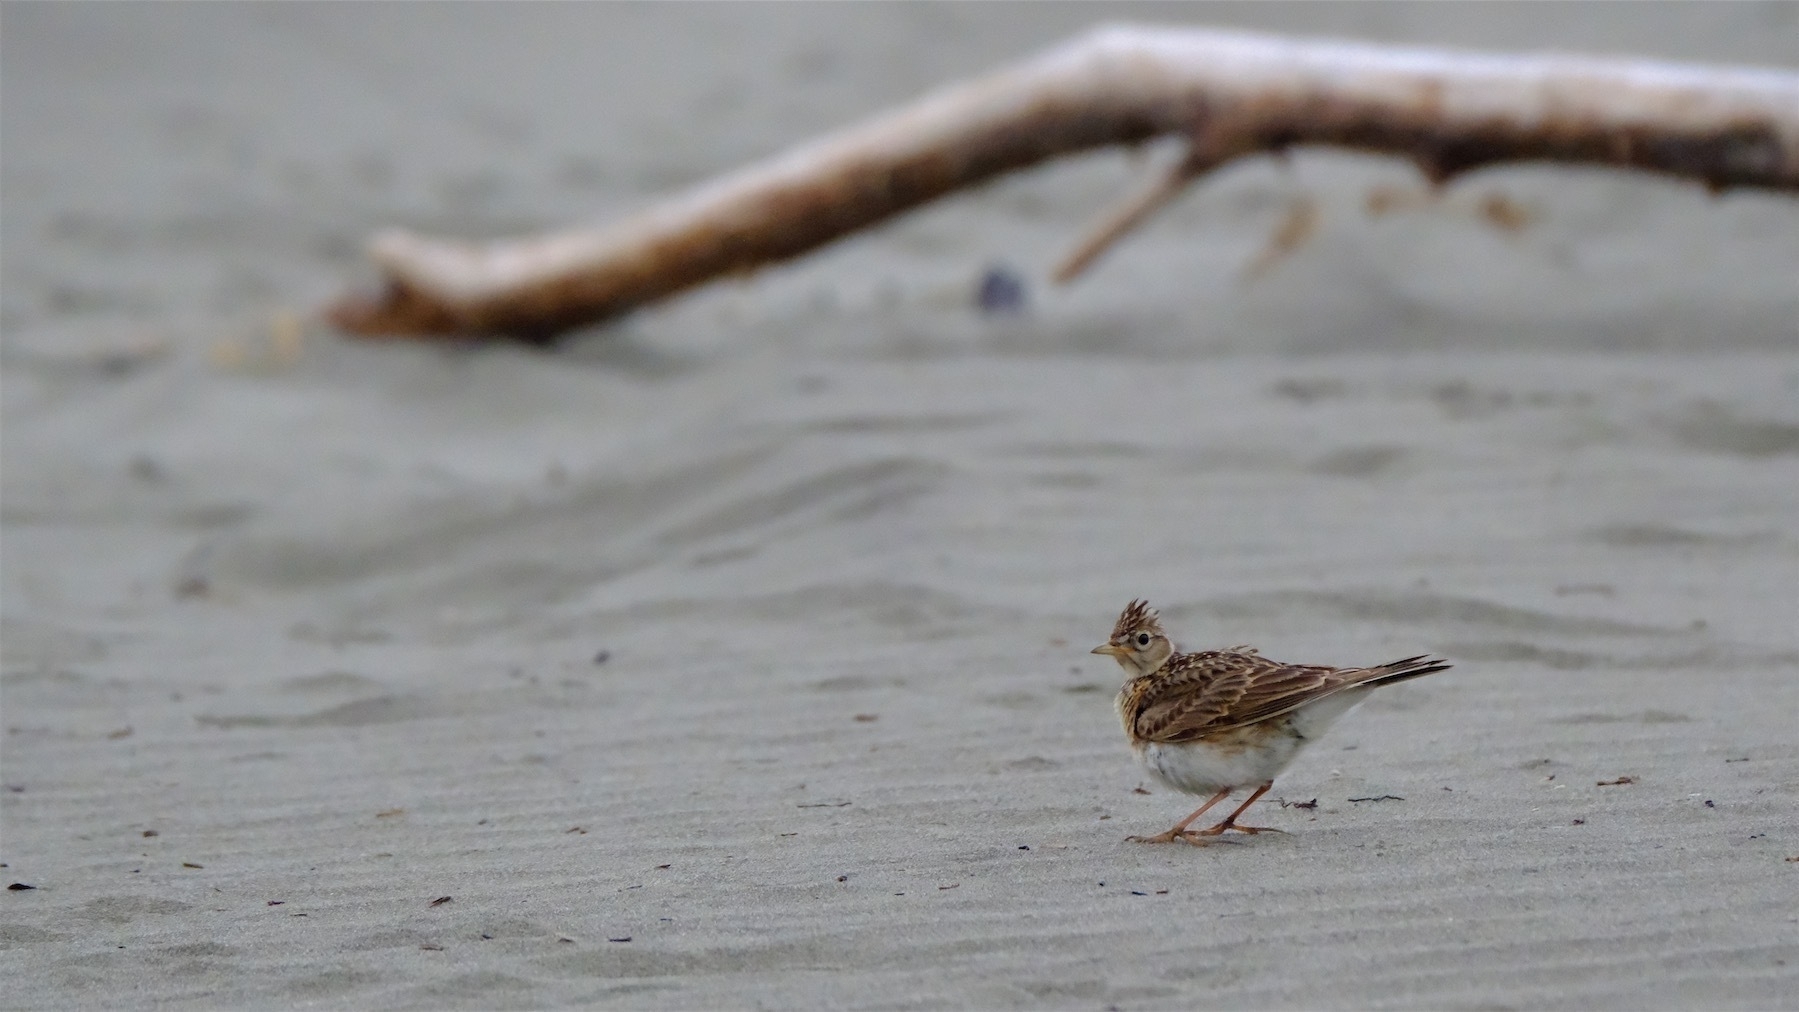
{"points": [[735, 654]]}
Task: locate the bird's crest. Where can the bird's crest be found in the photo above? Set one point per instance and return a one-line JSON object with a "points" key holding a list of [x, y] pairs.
{"points": [[1138, 617]]}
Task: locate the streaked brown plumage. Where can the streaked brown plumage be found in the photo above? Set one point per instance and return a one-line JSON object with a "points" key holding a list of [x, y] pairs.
{"points": [[1213, 722]]}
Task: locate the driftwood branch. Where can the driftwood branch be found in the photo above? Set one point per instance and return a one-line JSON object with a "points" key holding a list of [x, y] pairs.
{"points": [[1229, 93]]}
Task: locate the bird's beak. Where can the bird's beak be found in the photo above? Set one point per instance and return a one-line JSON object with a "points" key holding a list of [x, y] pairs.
{"points": [[1109, 649]]}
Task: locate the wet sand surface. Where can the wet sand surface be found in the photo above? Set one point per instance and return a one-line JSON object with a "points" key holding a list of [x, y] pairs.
{"points": [[736, 653]]}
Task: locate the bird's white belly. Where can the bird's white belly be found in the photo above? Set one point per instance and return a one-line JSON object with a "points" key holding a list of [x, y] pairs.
{"points": [[1248, 756], [1209, 767]]}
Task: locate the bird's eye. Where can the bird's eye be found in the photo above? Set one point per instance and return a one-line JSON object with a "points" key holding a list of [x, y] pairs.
{"points": [[1143, 639]]}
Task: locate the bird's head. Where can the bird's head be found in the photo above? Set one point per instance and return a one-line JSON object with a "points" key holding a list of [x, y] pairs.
{"points": [[1138, 643]]}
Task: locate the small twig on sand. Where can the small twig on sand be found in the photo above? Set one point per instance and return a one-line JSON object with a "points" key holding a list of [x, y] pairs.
{"points": [[1229, 93]]}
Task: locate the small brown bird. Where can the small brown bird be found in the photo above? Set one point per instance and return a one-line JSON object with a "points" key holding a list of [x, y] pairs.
{"points": [[1217, 721]]}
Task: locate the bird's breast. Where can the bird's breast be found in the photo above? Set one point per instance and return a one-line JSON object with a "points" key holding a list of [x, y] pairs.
{"points": [[1126, 705]]}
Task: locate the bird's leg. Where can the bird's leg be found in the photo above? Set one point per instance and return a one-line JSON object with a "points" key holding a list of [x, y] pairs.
{"points": [[1230, 821], [1180, 828]]}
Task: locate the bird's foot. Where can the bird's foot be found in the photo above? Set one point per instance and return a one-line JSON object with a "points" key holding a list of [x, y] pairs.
{"points": [[1220, 829], [1183, 835]]}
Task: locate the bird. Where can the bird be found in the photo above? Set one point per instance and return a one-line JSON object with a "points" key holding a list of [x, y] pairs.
{"points": [[1215, 722]]}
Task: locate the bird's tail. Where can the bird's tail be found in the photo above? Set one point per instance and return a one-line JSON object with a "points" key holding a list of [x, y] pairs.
{"points": [[1399, 671]]}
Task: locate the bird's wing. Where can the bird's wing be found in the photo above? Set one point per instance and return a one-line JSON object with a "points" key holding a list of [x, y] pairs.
{"points": [[1195, 695]]}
